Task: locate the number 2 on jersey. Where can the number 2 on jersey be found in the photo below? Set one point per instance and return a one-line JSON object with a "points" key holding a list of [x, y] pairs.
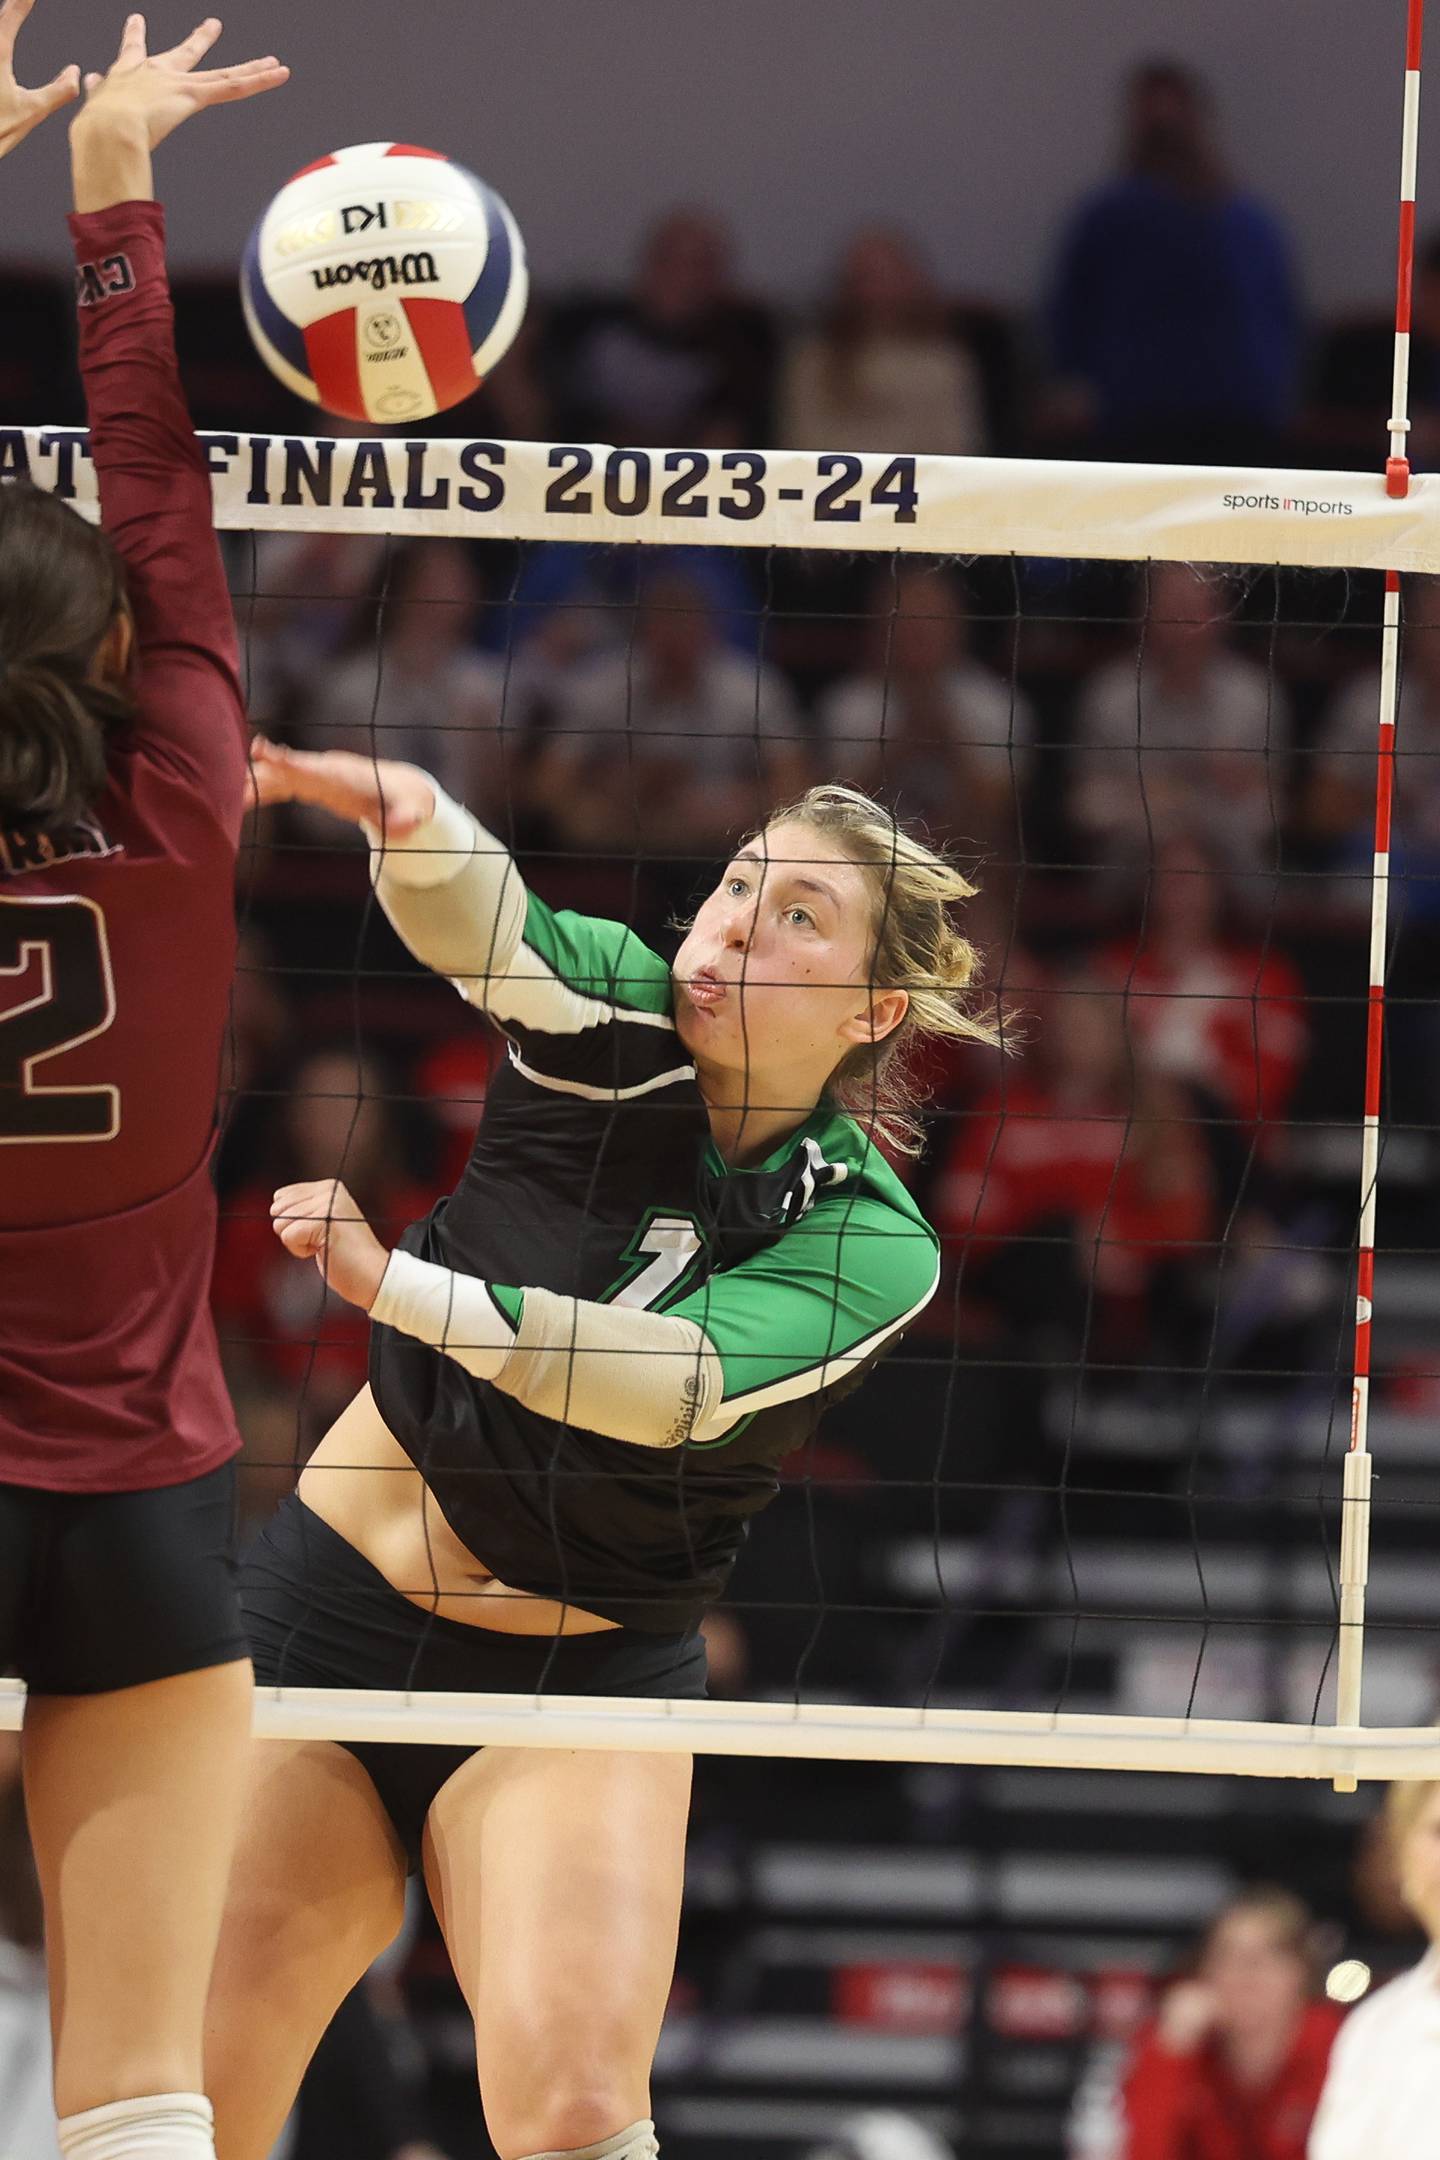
{"points": [[60, 952], [669, 1243]]}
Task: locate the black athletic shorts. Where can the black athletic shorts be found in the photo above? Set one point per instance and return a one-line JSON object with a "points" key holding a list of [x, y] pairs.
{"points": [[319, 1615], [108, 1590]]}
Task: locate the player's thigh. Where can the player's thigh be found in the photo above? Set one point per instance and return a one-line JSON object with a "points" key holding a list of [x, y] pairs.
{"points": [[133, 1797], [557, 1878], [317, 1889]]}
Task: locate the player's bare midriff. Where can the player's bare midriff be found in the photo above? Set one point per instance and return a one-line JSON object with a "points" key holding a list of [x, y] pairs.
{"points": [[362, 1483]]}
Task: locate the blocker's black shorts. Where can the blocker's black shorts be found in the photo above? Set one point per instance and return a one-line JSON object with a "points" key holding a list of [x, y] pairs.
{"points": [[109, 1590], [319, 1615]]}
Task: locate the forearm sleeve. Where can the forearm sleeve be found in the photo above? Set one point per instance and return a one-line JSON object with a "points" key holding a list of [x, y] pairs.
{"points": [[647, 1378], [454, 896]]}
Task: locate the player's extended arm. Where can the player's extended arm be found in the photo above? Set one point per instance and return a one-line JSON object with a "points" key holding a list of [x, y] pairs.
{"points": [[791, 1322], [154, 483], [453, 894], [449, 888]]}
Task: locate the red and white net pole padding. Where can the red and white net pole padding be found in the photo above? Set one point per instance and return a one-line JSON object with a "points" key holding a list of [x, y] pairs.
{"points": [[1355, 1517]]}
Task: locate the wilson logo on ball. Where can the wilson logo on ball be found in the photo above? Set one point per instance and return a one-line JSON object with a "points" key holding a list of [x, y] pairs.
{"points": [[452, 307], [379, 271]]}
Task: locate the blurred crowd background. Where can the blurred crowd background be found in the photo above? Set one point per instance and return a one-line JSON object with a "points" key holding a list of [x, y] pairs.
{"points": [[1103, 1473]]}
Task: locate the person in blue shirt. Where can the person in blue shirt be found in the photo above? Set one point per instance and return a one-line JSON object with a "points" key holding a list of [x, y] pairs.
{"points": [[1174, 320]]}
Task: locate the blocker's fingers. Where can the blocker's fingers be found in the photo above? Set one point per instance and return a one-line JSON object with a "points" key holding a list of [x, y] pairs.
{"points": [[132, 42], [12, 14], [64, 88], [222, 86], [192, 50]]}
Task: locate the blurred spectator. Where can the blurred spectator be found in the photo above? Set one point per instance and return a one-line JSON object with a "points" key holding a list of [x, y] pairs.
{"points": [[1174, 319], [298, 598], [27, 2113], [258, 1046], [452, 1079], [927, 725], [1192, 739], [674, 745], [281, 1330], [1382, 2096], [1207, 1005], [683, 358], [1337, 800], [1071, 1199], [1232, 2067], [884, 372], [1352, 385], [426, 695]]}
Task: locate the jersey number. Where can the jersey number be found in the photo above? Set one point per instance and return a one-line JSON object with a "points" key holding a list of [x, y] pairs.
{"points": [[63, 945], [669, 1243]]}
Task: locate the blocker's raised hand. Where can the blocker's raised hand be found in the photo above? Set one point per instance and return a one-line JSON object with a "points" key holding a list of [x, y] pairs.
{"points": [[21, 110], [155, 92], [319, 1221]]}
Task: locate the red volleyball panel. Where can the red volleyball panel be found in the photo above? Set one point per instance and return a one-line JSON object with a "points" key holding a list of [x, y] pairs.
{"points": [[443, 337], [410, 149], [317, 165], [335, 364]]}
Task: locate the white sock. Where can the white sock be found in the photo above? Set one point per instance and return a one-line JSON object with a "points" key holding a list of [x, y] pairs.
{"points": [[162, 2126], [637, 2142]]}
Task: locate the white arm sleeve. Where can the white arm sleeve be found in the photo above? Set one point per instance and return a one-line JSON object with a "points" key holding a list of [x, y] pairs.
{"points": [[652, 1379], [454, 895]]}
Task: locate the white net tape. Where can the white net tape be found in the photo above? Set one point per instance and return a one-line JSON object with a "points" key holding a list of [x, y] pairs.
{"points": [[839, 1732], [787, 498]]}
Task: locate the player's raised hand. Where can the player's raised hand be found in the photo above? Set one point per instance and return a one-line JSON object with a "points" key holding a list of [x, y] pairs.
{"points": [[396, 799], [319, 1221], [154, 92], [21, 110]]}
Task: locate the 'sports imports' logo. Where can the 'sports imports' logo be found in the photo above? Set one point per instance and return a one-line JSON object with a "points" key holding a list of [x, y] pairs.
{"points": [[1295, 505]]}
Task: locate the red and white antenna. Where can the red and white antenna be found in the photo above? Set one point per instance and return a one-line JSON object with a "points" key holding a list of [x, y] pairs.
{"points": [[1355, 1517]]}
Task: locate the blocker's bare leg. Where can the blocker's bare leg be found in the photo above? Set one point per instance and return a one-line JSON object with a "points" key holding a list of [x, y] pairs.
{"points": [[134, 1799]]}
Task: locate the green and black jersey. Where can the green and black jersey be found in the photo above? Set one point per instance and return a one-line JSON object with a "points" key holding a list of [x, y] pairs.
{"points": [[599, 1347]]}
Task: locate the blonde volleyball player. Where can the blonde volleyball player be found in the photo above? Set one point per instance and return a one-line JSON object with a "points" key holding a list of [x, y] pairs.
{"points": [[671, 1247], [1382, 2091], [122, 779]]}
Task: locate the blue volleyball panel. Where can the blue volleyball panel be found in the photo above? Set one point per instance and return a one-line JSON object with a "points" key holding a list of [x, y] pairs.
{"points": [[286, 337]]}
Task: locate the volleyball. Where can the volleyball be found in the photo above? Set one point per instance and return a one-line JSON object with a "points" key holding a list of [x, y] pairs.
{"points": [[384, 282]]}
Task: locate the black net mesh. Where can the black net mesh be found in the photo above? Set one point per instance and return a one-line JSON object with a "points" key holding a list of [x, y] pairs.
{"points": [[1102, 1471]]}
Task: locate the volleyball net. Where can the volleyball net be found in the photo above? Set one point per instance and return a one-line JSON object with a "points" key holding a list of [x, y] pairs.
{"points": [[1095, 1511]]}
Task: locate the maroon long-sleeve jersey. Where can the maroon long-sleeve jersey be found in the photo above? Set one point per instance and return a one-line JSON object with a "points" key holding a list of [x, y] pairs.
{"points": [[117, 946]]}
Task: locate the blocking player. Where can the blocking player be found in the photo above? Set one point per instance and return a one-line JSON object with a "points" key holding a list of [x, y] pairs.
{"points": [[122, 776]]}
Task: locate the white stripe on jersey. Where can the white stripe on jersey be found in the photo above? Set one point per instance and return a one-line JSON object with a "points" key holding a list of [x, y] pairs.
{"points": [[598, 1094], [824, 1374]]}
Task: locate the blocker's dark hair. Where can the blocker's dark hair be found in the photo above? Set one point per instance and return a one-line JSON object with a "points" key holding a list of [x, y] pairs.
{"points": [[62, 585]]}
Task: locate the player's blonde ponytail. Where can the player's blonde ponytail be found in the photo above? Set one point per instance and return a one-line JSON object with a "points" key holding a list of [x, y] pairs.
{"points": [[917, 947]]}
